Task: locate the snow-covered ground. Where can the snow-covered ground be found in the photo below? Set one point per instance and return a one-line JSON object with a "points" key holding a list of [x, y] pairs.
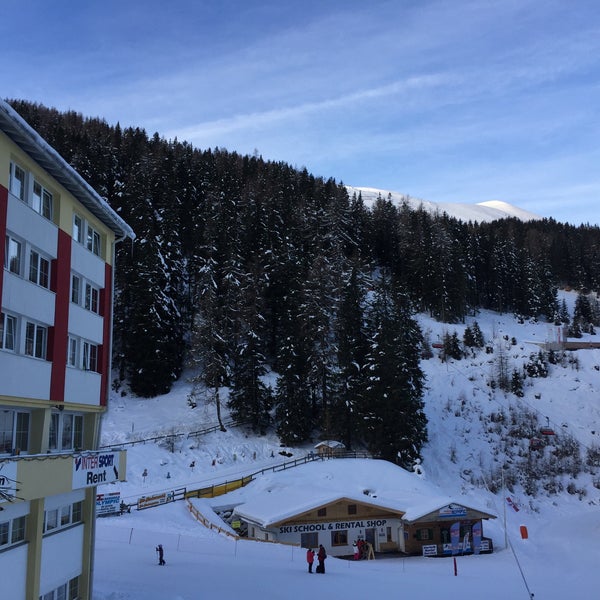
{"points": [[558, 560]]}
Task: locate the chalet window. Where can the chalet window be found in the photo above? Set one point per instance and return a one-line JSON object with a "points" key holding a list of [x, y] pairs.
{"points": [[322, 512], [339, 538], [309, 540], [351, 509], [425, 534]]}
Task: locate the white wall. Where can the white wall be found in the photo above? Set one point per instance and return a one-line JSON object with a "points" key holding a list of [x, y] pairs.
{"points": [[29, 225], [87, 264], [24, 377], [82, 387], [62, 558], [85, 324], [14, 564], [21, 296]]}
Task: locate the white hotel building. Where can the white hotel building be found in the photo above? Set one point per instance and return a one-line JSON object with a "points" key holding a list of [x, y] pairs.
{"points": [[56, 290]]}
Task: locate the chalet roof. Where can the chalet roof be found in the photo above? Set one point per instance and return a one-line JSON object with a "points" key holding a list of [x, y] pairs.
{"points": [[22, 134], [333, 444], [278, 497]]}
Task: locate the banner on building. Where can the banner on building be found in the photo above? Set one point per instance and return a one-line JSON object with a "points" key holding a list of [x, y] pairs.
{"points": [[455, 537], [94, 469], [8, 478], [108, 504], [453, 511], [156, 500], [477, 537]]}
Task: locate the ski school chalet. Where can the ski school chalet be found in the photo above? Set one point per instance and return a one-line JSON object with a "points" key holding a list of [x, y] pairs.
{"points": [[338, 502]]}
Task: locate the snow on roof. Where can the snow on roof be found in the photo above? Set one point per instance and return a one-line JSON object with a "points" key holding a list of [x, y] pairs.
{"points": [[276, 497], [330, 444], [29, 140]]}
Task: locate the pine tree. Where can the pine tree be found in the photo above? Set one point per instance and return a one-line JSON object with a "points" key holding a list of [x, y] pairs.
{"points": [[351, 357], [392, 411]]}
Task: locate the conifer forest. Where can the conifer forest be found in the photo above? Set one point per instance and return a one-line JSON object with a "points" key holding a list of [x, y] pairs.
{"points": [[243, 267]]}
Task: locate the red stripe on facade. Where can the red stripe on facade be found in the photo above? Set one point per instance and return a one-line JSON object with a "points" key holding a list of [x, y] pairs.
{"points": [[3, 215], [61, 284], [104, 351]]}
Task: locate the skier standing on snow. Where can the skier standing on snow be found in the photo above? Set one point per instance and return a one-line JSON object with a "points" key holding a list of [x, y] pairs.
{"points": [[321, 555], [161, 554], [310, 559]]}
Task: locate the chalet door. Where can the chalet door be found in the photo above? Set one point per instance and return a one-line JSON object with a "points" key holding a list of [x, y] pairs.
{"points": [[370, 537], [401, 544]]}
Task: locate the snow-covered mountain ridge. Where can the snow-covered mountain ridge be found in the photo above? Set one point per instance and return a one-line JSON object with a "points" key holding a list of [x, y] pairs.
{"points": [[491, 210]]}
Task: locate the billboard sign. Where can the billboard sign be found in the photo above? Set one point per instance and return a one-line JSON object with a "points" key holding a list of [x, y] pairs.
{"points": [[8, 478], [93, 469], [108, 504]]}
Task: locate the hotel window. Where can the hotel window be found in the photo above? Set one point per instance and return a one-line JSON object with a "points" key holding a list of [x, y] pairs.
{"points": [[92, 294], [72, 352], [8, 328], [14, 431], [13, 255], [39, 269], [66, 431], [66, 591], [78, 228], [90, 357], [93, 240], [42, 201], [50, 520], [17, 181], [12, 532], [35, 340], [75, 289]]}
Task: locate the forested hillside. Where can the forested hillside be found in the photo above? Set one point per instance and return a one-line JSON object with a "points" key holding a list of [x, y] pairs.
{"points": [[242, 266]]}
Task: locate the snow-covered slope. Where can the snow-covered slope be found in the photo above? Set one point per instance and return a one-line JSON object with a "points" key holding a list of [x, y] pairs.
{"points": [[491, 210], [474, 430]]}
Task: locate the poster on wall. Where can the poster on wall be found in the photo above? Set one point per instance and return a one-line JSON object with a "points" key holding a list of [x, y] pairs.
{"points": [[94, 469], [455, 537], [108, 504], [477, 537]]}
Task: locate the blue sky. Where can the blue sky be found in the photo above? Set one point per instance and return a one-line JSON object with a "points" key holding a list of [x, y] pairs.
{"points": [[449, 101]]}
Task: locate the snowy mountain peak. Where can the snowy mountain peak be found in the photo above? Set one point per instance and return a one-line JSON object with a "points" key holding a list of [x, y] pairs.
{"points": [[492, 210]]}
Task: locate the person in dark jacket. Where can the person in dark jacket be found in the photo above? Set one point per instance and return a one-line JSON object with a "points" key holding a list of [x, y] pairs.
{"points": [[310, 559], [161, 555], [321, 556]]}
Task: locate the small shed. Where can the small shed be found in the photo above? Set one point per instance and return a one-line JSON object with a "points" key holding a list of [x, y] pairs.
{"points": [[330, 448]]}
